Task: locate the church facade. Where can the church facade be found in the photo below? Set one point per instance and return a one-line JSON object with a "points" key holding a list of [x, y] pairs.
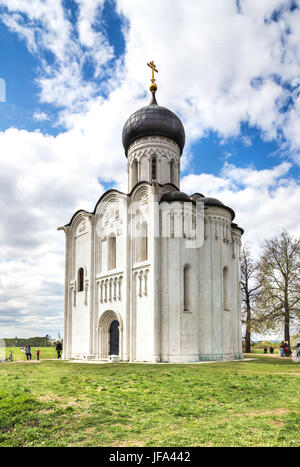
{"points": [[153, 275]]}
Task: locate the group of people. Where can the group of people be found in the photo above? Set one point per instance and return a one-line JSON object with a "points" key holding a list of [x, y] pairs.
{"points": [[271, 350], [28, 353], [283, 350]]}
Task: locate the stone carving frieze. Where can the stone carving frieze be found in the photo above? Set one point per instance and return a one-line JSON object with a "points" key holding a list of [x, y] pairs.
{"points": [[82, 228], [111, 221], [149, 147]]}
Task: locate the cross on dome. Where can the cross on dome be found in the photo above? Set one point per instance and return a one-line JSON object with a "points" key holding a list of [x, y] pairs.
{"points": [[153, 86]]}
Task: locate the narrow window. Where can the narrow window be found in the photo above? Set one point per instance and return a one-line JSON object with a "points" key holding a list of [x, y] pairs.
{"points": [[172, 224], [143, 242], [187, 287], [80, 279], [154, 168], [172, 180], [111, 251], [134, 173], [225, 289]]}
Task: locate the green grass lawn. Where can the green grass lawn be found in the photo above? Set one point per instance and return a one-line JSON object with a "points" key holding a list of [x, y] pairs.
{"points": [[56, 403]]}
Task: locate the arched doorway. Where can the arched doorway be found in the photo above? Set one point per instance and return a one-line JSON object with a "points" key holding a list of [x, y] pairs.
{"points": [[110, 335], [114, 338]]}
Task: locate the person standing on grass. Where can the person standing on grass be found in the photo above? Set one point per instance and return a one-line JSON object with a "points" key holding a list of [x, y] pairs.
{"points": [[286, 350], [265, 350], [281, 350], [58, 349], [37, 354], [271, 350], [28, 352]]}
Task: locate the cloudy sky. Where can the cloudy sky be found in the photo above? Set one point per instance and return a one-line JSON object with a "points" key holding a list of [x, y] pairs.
{"points": [[74, 70]]}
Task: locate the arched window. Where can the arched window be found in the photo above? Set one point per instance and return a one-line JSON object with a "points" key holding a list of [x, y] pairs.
{"points": [[187, 287], [111, 252], [153, 168], [143, 242], [225, 288], [80, 279]]}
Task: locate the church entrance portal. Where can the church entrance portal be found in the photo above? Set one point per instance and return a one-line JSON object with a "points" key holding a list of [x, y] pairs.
{"points": [[110, 335], [114, 338]]}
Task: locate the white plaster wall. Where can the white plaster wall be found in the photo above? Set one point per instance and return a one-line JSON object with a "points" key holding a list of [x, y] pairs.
{"points": [[164, 176], [80, 329], [80, 312], [190, 320], [145, 322], [179, 328], [205, 301], [206, 332]]}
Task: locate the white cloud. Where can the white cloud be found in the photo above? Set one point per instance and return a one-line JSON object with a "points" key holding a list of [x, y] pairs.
{"points": [[98, 49], [265, 201], [255, 178], [218, 55], [15, 23], [246, 140], [45, 27], [41, 116], [216, 68], [207, 184]]}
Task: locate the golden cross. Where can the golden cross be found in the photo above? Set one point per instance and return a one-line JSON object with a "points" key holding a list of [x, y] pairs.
{"points": [[152, 65]]}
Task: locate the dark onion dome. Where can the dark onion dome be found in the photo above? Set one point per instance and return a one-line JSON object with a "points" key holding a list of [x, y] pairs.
{"points": [[172, 196], [196, 196], [235, 226], [215, 202], [153, 120]]}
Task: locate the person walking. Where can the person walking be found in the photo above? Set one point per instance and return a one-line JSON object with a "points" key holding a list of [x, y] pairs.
{"points": [[271, 350], [281, 350], [28, 352], [265, 350], [58, 349], [37, 354]]}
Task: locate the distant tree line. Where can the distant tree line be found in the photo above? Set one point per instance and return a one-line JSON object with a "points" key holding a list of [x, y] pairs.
{"points": [[33, 341], [270, 288]]}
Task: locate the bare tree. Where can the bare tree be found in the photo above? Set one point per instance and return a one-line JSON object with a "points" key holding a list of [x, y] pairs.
{"points": [[278, 301], [249, 289]]}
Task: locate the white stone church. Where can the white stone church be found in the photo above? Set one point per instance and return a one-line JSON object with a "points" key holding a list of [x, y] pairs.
{"points": [[153, 275]]}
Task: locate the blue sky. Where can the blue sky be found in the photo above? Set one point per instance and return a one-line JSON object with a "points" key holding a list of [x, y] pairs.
{"points": [[76, 69], [20, 70]]}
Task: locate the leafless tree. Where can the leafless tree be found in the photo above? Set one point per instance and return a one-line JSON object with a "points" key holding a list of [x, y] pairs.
{"points": [[249, 289], [278, 300]]}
